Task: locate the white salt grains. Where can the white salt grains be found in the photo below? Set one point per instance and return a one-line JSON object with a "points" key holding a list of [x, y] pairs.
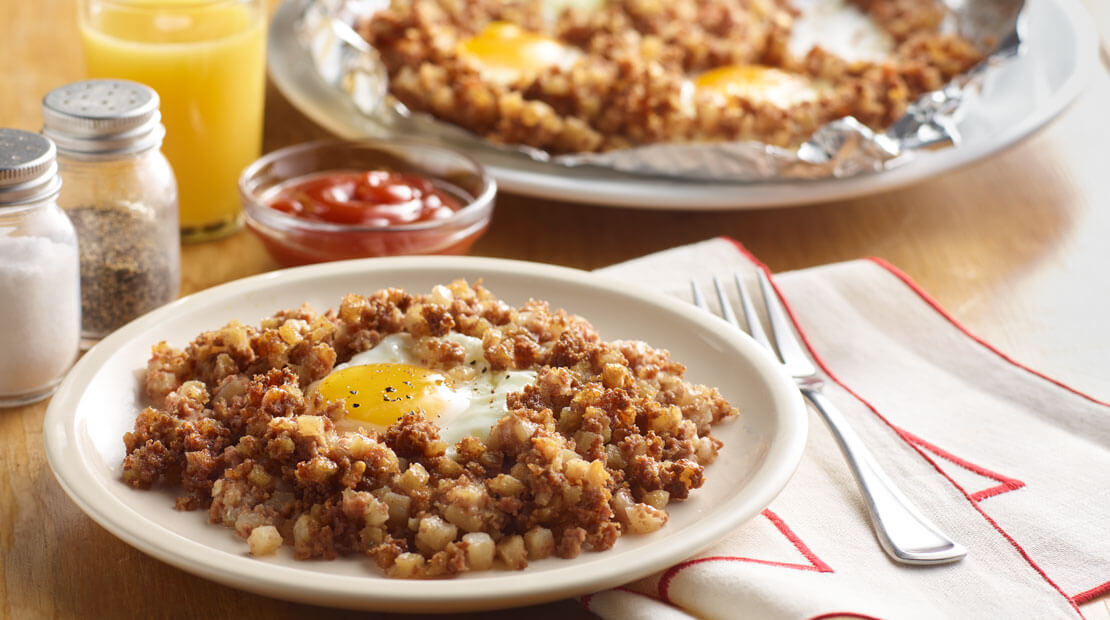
{"points": [[40, 320]]}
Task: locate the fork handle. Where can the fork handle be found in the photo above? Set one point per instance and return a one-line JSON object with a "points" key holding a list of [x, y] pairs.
{"points": [[903, 531]]}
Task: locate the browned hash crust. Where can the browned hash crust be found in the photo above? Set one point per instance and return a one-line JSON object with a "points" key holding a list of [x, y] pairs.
{"points": [[604, 439], [627, 89]]}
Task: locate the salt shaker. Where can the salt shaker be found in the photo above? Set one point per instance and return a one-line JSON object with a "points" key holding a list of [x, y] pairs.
{"points": [[121, 195], [40, 297]]}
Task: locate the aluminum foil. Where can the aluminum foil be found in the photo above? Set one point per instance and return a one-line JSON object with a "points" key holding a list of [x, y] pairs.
{"points": [[841, 148]]}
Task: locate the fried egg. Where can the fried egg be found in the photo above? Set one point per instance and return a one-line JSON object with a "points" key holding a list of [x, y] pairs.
{"points": [[505, 53], [759, 83], [379, 386]]}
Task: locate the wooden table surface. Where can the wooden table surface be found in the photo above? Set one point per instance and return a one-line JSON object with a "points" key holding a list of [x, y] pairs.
{"points": [[1016, 247]]}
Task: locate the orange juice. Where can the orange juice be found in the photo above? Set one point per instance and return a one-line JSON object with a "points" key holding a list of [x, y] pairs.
{"points": [[206, 59]]}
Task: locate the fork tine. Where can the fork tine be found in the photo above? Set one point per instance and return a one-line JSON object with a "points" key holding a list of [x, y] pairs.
{"points": [[755, 326], [699, 299], [726, 307], [790, 349]]}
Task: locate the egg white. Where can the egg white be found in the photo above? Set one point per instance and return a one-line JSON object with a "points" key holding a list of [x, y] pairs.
{"points": [[839, 28]]}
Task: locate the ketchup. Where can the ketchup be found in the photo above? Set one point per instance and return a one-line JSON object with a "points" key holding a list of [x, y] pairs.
{"points": [[389, 214], [378, 198]]}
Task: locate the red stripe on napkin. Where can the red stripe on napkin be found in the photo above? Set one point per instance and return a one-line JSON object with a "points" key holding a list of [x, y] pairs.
{"points": [[815, 563], [1005, 483], [584, 601], [951, 319], [1092, 594]]}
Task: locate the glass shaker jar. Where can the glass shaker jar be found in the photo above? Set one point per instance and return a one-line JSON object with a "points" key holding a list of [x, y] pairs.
{"points": [[40, 297], [121, 195]]}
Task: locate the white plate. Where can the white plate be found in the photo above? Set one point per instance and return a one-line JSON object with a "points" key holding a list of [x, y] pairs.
{"points": [[98, 401], [1017, 99]]}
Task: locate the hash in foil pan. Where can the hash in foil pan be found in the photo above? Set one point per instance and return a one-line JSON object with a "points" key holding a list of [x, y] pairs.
{"points": [[841, 147]]}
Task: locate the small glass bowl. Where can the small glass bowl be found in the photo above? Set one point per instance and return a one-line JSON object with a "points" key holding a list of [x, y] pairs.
{"points": [[295, 241]]}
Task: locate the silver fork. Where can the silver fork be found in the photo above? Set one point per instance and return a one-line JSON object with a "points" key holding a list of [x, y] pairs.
{"points": [[903, 531]]}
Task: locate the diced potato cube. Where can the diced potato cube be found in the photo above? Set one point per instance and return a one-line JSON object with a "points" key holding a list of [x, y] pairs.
{"points": [[621, 502], [441, 295], [504, 484], [479, 550], [643, 519], [311, 425], [657, 498], [512, 553], [258, 476], [539, 542], [434, 533], [615, 376], [597, 475], [290, 331], [407, 566], [576, 469], [398, 506], [414, 477], [264, 540]]}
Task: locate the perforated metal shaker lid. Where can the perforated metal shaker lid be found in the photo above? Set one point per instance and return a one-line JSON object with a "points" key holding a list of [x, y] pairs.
{"points": [[28, 167], [103, 117]]}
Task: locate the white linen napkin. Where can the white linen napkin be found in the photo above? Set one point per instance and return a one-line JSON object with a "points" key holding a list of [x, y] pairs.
{"points": [[1014, 466]]}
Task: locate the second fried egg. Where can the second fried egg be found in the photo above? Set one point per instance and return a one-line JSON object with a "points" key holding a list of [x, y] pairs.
{"points": [[758, 83]]}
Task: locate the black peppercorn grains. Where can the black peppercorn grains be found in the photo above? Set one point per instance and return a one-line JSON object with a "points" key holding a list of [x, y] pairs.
{"points": [[124, 270]]}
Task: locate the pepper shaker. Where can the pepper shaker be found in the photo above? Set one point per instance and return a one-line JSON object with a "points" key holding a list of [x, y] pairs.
{"points": [[40, 298], [121, 196]]}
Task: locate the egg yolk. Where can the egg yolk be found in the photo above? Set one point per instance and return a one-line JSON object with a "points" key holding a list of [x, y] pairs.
{"points": [[507, 52], [757, 83], [381, 394]]}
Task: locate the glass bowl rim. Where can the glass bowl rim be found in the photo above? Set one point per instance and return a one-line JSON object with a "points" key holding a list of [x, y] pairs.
{"points": [[255, 210]]}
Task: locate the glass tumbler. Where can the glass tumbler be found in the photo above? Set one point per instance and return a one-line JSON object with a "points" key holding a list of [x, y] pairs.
{"points": [[206, 60]]}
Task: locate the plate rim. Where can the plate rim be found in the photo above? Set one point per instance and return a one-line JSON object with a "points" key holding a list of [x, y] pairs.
{"points": [[61, 431], [624, 191]]}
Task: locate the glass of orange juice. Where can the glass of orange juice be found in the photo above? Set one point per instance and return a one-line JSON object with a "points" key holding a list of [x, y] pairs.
{"points": [[206, 59]]}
